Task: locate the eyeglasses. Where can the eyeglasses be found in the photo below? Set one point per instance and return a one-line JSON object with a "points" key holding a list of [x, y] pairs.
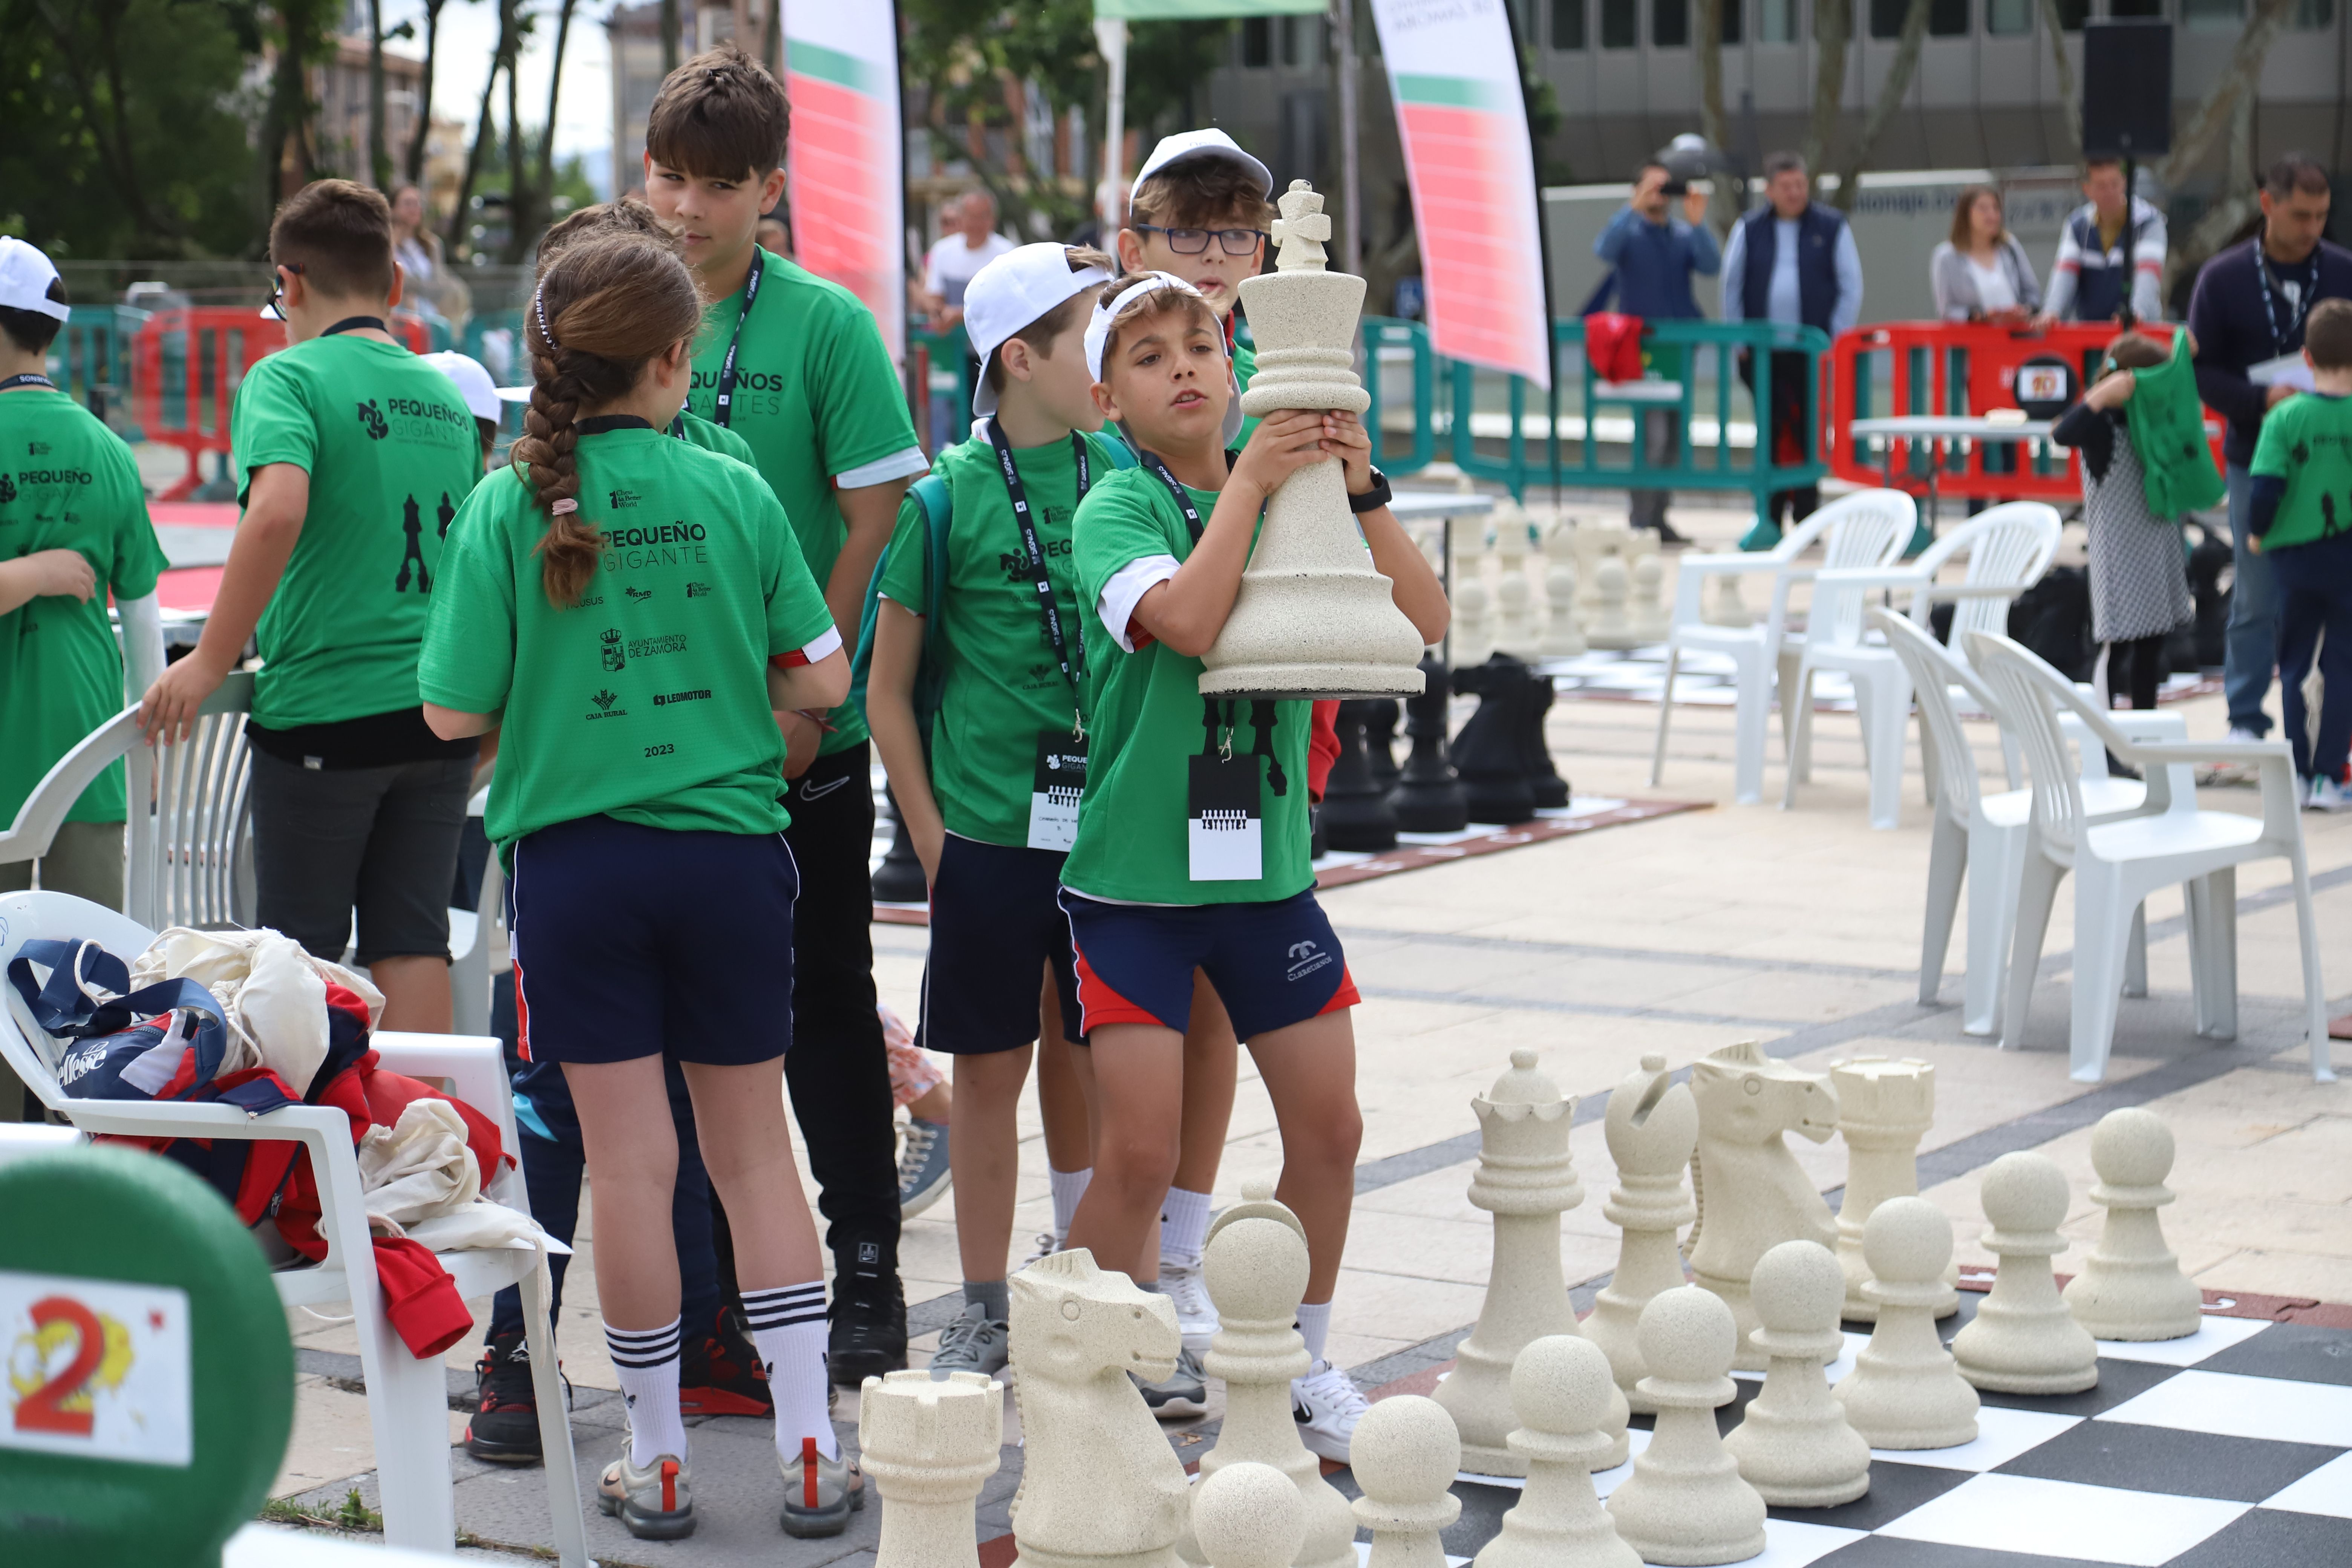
{"points": [[276, 304], [1195, 241]]}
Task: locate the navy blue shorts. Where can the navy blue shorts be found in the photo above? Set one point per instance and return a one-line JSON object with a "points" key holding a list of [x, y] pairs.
{"points": [[635, 941], [995, 927], [1273, 965]]}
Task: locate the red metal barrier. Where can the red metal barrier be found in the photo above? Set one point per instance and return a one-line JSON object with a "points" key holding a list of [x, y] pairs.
{"points": [[185, 368], [1955, 368]]}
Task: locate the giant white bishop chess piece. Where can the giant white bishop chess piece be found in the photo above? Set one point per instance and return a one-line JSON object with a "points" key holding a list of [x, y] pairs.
{"points": [[1313, 618]]}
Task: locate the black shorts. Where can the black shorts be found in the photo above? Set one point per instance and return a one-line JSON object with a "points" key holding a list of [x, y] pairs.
{"points": [[994, 928], [1274, 965], [635, 942], [380, 840]]}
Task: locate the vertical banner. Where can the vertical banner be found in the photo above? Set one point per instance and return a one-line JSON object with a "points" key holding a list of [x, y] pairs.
{"points": [[1464, 123], [843, 163]]}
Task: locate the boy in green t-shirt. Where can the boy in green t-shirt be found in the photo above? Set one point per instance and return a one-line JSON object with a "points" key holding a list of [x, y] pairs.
{"points": [[1191, 848], [2301, 520], [356, 454], [796, 366], [73, 523], [1198, 210]]}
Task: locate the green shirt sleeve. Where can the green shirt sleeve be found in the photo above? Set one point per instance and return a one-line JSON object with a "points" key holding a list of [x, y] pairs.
{"points": [[797, 616], [273, 423], [906, 561], [2277, 437], [468, 661], [1117, 525], [139, 558], [862, 416]]}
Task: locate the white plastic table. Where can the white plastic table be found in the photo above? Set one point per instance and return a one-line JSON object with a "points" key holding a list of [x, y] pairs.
{"points": [[1421, 506], [1938, 429]]}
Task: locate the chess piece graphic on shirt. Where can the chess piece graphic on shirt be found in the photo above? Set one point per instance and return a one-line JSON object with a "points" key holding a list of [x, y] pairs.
{"points": [[1313, 617], [1652, 1126], [445, 514], [1903, 1391], [1752, 1195], [2131, 1286], [1795, 1446], [1559, 1386], [930, 1447], [1524, 1179], [1685, 1502], [412, 527], [2023, 1339], [1247, 1516], [1404, 1455], [1883, 1110], [1100, 1487]]}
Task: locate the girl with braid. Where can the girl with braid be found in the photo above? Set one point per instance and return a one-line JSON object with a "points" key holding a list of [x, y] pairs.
{"points": [[632, 611]]}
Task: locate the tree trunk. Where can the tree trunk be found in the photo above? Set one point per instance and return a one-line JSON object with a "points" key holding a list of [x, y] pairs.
{"points": [[107, 121], [1890, 99], [414, 166], [2212, 116], [484, 123], [379, 153], [1724, 204], [2238, 202], [669, 40], [2065, 71], [543, 186], [771, 48], [520, 195], [1833, 38]]}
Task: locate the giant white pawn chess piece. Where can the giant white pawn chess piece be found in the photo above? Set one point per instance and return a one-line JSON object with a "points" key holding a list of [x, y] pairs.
{"points": [[1562, 636], [1405, 1454], [1559, 1386], [1524, 1179], [1904, 1392], [2131, 1286], [1651, 1127], [1685, 1502], [930, 1448], [1795, 1446], [2023, 1339], [1884, 1108], [1247, 1516], [1313, 618]]}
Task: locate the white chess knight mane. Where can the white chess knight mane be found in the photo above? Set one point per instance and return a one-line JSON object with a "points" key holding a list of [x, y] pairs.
{"points": [[1747, 1101]]}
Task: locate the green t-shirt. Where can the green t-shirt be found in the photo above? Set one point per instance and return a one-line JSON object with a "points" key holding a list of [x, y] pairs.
{"points": [[392, 453], [1245, 367], [1144, 723], [2307, 442], [816, 397], [647, 702], [66, 482], [695, 431], [1004, 686]]}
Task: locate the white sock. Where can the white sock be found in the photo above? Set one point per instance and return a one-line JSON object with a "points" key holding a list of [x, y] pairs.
{"points": [[1184, 1227], [645, 1361], [788, 1329], [1315, 1327], [1068, 1187]]}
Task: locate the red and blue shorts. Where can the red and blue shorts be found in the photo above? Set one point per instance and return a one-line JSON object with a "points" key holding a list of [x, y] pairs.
{"points": [[1274, 965]]}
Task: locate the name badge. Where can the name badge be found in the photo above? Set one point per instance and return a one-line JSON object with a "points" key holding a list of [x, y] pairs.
{"points": [[1223, 827], [1059, 779]]}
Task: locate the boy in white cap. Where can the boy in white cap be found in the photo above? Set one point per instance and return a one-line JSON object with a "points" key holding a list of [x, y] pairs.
{"points": [[1200, 210], [990, 794], [478, 392], [73, 525]]}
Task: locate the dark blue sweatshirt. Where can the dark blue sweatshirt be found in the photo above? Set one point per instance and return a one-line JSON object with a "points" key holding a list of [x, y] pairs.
{"points": [[2233, 331]]}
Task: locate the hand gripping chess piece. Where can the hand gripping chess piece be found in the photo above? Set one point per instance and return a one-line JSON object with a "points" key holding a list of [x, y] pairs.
{"points": [[1685, 1502], [1652, 1125], [1795, 1446], [1884, 1108], [1256, 1268], [1100, 1487], [930, 1448], [1524, 1179], [1904, 1392], [2023, 1339], [1405, 1455], [1313, 617], [1559, 1386], [1247, 1516], [1752, 1195], [2131, 1286]]}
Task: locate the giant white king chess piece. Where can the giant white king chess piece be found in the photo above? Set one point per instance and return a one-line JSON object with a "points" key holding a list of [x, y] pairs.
{"points": [[1313, 618]]}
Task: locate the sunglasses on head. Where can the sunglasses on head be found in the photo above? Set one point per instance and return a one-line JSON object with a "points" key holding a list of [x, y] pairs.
{"points": [[1195, 241]]}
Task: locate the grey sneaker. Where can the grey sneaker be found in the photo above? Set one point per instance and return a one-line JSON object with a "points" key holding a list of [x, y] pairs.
{"points": [[922, 1166], [974, 1342], [1182, 1394], [820, 1494], [655, 1503], [1045, 1246], [1196, 1317]]}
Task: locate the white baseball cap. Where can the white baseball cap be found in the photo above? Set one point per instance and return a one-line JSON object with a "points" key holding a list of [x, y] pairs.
{"points": [[24, 277], [474, 384], [1011, 291], [1209, 143], [1130, 287]]}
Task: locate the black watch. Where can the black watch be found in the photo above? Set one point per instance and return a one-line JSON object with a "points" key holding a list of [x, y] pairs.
{"points": [[1372, 499]]}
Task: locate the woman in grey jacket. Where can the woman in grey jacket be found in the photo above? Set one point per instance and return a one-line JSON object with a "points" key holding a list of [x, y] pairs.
{"points": [[1980, 274]]}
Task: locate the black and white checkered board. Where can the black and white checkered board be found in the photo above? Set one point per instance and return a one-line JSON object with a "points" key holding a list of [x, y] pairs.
{"points": [[2231, 1448]]}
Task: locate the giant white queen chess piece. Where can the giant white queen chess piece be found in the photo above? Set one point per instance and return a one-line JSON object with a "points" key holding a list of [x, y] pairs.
{"points": [[1313, 617]]}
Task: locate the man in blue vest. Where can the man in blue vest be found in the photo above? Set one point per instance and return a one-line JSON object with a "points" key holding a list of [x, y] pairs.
{"points": [[1653, 255], [1793, 262]]}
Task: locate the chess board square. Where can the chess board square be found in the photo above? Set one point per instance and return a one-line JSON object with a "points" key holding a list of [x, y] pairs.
{"points": [[2232, 1406], [2164, 1460], [2298, 1351], [2119, 1381], [2001, 1436], [2061, 1519], [1894, 1490], [1794, 1543], [2327, 1489], [2213, 1336], [1482, 1508], [1893, 1551], [2265, 1538]]}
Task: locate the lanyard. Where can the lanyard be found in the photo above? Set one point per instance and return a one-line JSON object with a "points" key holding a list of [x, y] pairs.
{"points": [[724, 406], [354, 324], [1069, 650], [28, 380], [1175, 488], [2303, 299]]}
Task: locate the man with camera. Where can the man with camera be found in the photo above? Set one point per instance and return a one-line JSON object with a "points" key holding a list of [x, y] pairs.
{"points": [[1655, 253]]}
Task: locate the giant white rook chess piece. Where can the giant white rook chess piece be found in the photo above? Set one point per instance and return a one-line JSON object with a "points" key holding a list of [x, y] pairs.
{"points": [[1884, 1108], [1559, 1386], [1313, 618], [930, 1448], [1652, 1125], [1405, 1454], [1752, 1193], [2131, 1286], [1904, 1392], [1685, 1502], [1524, 1179], [1795, 1446], [2023, 1339]]}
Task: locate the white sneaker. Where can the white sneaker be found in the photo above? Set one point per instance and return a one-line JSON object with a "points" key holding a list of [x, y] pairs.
{"points": [[2327, 795], [1045, 1246], [2236, 735], [1327, 1405], [1196, 1316]]}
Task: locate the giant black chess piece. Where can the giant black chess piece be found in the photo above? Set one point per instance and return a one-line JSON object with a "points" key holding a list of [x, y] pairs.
{"points": [[1428, 797], [1356, 811], [1551, 790], [1490, 753], [899, 879]]}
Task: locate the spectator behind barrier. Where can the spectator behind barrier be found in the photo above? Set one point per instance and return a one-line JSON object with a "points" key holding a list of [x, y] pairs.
{"points": [[1653, 254], [1980, 274], [2106, 262]]}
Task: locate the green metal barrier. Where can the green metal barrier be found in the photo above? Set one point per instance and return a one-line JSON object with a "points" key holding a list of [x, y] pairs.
{"points": [[946, 351], [91, 361], [1383, 332]]}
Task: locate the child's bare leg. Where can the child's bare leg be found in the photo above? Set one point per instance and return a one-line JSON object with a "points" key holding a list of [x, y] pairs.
{"points": [[985, 1157], [1137, 1071], [1309, 1070]]}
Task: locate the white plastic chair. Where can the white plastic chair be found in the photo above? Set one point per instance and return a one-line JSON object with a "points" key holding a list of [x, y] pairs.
{"points": [[470, 934], [2008, 547], [1866, 528], [408, 1409], [2117, 865]]}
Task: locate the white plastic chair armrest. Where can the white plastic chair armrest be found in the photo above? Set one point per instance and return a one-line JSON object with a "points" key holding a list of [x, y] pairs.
{"points": [[2258, 752], [1724, 562], [2143, 725], [212, 1119], [474, 1065], [1869, 577], [43, 811], [1973, 590]]}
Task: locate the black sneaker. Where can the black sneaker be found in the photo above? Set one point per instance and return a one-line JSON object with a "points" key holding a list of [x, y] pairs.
{"points": [[505, 1428], [722, 1374], [869, 1328]]}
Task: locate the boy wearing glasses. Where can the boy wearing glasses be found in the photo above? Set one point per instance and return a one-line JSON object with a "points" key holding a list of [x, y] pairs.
{"points": [[1199, 211]]}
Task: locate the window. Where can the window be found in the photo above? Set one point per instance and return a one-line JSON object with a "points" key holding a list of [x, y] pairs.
{"points": [[1670, 24], [1776, 22], [1621, 23], [2136, 8], [1729, 30], [1887, 17], [2072, 15], [2212, 15], [1257, 41], [2313, 16], [1567, 24], [1947, 18], [2008, 18]]}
